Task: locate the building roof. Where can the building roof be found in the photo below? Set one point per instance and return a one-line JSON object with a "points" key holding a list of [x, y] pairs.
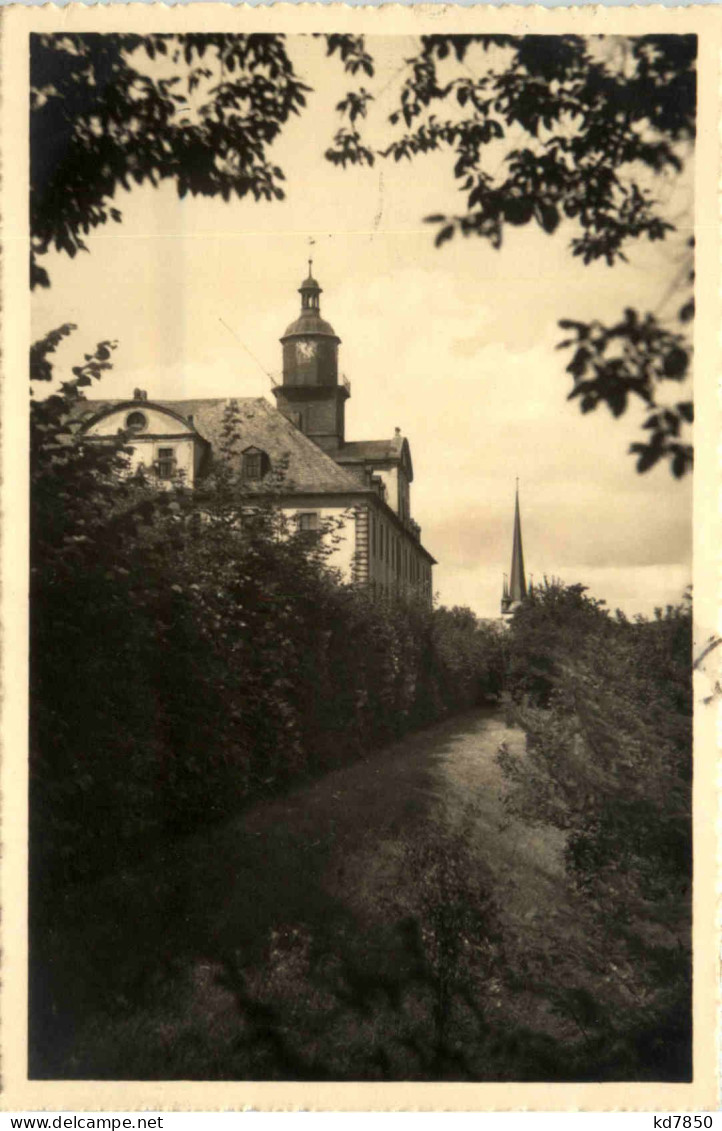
{"points": [[372, 449], [309, 469], [310, 322], [395, 450]]}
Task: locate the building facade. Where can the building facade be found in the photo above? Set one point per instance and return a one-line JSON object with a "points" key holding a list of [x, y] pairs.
{"points": [[297, 450]]}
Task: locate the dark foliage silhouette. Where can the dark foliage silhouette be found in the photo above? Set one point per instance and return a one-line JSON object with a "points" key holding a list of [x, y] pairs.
{"points": [[607, 707], [584, 126], [202, 111]]}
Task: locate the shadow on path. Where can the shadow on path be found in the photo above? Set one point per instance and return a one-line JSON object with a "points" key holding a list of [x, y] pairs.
{"points": [[119, 945]]}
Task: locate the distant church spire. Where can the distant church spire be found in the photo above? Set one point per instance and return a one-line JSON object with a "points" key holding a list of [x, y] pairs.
{"points": [[514, 593]]}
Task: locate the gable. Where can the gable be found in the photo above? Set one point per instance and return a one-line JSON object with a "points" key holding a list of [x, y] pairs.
{"points": [[144, 418], [378, 454]]}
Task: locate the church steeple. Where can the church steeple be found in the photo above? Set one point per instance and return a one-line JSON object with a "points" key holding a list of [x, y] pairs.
{"points": [[310, 395], [514, 593]]}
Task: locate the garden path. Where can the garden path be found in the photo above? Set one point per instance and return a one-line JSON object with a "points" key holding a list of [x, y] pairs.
{"points": [[140, 955]]}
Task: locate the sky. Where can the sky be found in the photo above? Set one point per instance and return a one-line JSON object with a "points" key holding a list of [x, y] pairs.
{"points": [[456, 346]]}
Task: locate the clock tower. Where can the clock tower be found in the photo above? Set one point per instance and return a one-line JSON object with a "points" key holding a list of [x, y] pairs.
{"points": [[310, 395]]}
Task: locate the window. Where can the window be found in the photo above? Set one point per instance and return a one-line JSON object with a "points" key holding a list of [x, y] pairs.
{"points": [[373, 535], [252, 465], [136, 421], [255, 464], [166, 463], [308, 521]]}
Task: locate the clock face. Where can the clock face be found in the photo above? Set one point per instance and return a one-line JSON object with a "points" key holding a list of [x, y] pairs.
{"points": [[305, 350]]}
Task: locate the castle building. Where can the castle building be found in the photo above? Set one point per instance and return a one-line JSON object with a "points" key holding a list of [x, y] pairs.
{"points": [[298, 450], [514, 592]]}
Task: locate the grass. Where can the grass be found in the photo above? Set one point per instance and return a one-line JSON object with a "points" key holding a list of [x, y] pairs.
{"points": [[351, 930]]}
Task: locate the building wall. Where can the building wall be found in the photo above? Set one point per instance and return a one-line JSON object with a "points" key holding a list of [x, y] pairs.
{"points": [[322, 417], [319, 413], [404, 496], [343, 554], [396, 484], [162, 431], [395, 560], [373, 550], [389, 478]]}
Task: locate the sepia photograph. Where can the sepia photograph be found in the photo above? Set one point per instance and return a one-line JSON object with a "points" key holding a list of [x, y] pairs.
{"points": [[361, 614]]}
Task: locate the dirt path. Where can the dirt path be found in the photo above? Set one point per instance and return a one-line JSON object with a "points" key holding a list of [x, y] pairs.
{"points": [[143, 957]]}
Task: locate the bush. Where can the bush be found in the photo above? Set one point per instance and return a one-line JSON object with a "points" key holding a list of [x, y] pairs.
{"points": [[607, 707]]}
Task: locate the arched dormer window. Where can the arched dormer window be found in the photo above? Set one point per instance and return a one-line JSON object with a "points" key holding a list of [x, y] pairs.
{"points": [[255, 464]]}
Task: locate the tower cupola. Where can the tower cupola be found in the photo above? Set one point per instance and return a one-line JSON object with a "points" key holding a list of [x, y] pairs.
{"points": [[310, 394], [310, 345]]}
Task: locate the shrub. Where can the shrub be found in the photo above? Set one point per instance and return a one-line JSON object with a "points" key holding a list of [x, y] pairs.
{"points": [[607, 707]]}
